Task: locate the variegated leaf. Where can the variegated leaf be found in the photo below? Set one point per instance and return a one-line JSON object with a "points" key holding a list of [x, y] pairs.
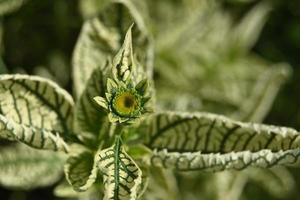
{"points": [[122, 177], [100, 39], [35, 111], [81, 170], [90, 119], [222, 75], [123, 62], [25, 168], [130, 12], [220, 162], [95, 44], [124, 66], [32, 136], [203, 141]]}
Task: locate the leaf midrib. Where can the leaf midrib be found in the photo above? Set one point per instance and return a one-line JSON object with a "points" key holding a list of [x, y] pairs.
{"points": [[116, 168]]}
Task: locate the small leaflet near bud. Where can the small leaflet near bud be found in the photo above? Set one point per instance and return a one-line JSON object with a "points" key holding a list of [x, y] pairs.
{"points": [[101, 101]]}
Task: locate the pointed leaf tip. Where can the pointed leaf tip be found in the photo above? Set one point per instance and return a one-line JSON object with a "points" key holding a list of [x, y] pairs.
{"points": [[123, 61], [101, 101]]}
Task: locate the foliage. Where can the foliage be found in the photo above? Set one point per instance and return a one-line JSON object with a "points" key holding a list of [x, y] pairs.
{"points": [[118, 138]]}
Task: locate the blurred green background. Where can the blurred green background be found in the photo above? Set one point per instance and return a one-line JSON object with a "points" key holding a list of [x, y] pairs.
{"points": [[39, 37]]}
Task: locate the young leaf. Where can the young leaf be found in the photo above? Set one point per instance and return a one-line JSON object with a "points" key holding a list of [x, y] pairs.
{"points": [[35, 111], [81, 170], [100, 39], [123, 63], [25, 168], [96, 42], [198, 141], [90, 118], [122, 177]]}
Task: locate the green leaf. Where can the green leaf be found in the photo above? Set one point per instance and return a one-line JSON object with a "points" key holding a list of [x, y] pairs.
{"points": [[8, 6], [81, 170], [35, 111], [90, 118], [122, 177], [25, 168], [203, 141]]}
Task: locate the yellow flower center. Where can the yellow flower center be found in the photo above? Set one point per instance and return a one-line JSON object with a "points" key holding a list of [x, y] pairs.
{"points": [[126, 104]]}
